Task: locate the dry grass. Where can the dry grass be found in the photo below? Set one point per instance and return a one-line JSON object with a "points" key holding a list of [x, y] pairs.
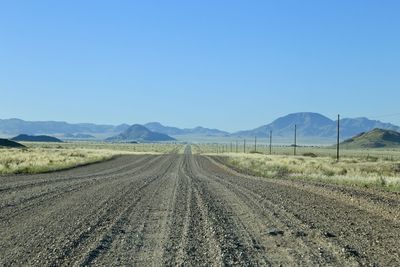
{"points": [[363, 171], [39, 160], [46, 157], [119, 147]]}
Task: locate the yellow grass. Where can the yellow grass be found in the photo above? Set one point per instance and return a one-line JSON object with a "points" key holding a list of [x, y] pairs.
{"points": [[350, 170], [46, 157]]}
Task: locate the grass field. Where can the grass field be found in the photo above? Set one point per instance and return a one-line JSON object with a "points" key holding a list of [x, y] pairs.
{"points": [[388, 154], [369, 168], [46, 157]]}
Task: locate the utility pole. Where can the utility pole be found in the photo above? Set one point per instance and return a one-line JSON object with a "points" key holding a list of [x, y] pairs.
{"points": [[255, 143], [237, 146], [270, 142], [338, 138], [295, 139], [231, 147], [244, 145]]}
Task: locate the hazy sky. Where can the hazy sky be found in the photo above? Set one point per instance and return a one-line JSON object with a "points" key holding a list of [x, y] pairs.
{"points": [[226, 64]]}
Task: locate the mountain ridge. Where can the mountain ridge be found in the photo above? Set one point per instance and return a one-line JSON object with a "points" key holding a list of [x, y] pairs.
{"points": [[138, 132], [309, 124], [158, 127]]}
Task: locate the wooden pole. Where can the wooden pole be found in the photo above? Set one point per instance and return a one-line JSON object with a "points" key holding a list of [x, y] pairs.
{"points": [[338, 138], [244, 145], [270, 142], [255, 143], [295, 139]]}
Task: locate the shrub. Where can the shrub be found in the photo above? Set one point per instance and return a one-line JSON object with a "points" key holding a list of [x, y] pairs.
{"points": [[343, 171], [310, 154], [371, 158], [328, 172]]}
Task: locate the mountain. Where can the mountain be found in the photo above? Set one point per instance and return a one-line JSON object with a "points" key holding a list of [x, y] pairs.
{"points": [[374, 139], [35, 138], [309, 124], [158, 127], [78, 136], [315, 125], [8, 143], [17, 126], [120, 128], [138, 132]]}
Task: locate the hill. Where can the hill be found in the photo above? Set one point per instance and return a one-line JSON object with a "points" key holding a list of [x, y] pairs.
{"points": [[376, 138], [315, 125], [158, 127], [138, 132], [9, 143], [352, 127], [35, 138]]}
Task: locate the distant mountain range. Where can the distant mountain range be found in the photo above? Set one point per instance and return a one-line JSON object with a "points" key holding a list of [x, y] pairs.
{"points": [[17, 126], [158, 127], [86, 130], [139, 133], [309, 125], [314, 125]]}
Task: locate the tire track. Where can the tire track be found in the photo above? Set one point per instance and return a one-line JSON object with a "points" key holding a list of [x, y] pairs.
{"points": [[25, 200], [91, 219], [365, 235], [132, 221], [258, 215]]}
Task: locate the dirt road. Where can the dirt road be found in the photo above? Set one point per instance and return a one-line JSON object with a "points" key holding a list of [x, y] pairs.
{"points": [[190, 210]]}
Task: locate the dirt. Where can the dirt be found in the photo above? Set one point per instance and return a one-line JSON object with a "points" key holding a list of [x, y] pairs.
{"points": [[155, 210]]}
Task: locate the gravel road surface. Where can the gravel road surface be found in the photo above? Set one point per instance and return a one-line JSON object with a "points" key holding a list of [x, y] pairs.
{"points": [[191, 210]]}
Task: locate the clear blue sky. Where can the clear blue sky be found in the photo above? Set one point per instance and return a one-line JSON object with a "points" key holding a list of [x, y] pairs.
{"points": [[226, 64]]}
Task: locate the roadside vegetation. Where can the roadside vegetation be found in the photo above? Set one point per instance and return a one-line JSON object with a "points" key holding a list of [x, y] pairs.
{"points": [[47, 157], [368, 168]]}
